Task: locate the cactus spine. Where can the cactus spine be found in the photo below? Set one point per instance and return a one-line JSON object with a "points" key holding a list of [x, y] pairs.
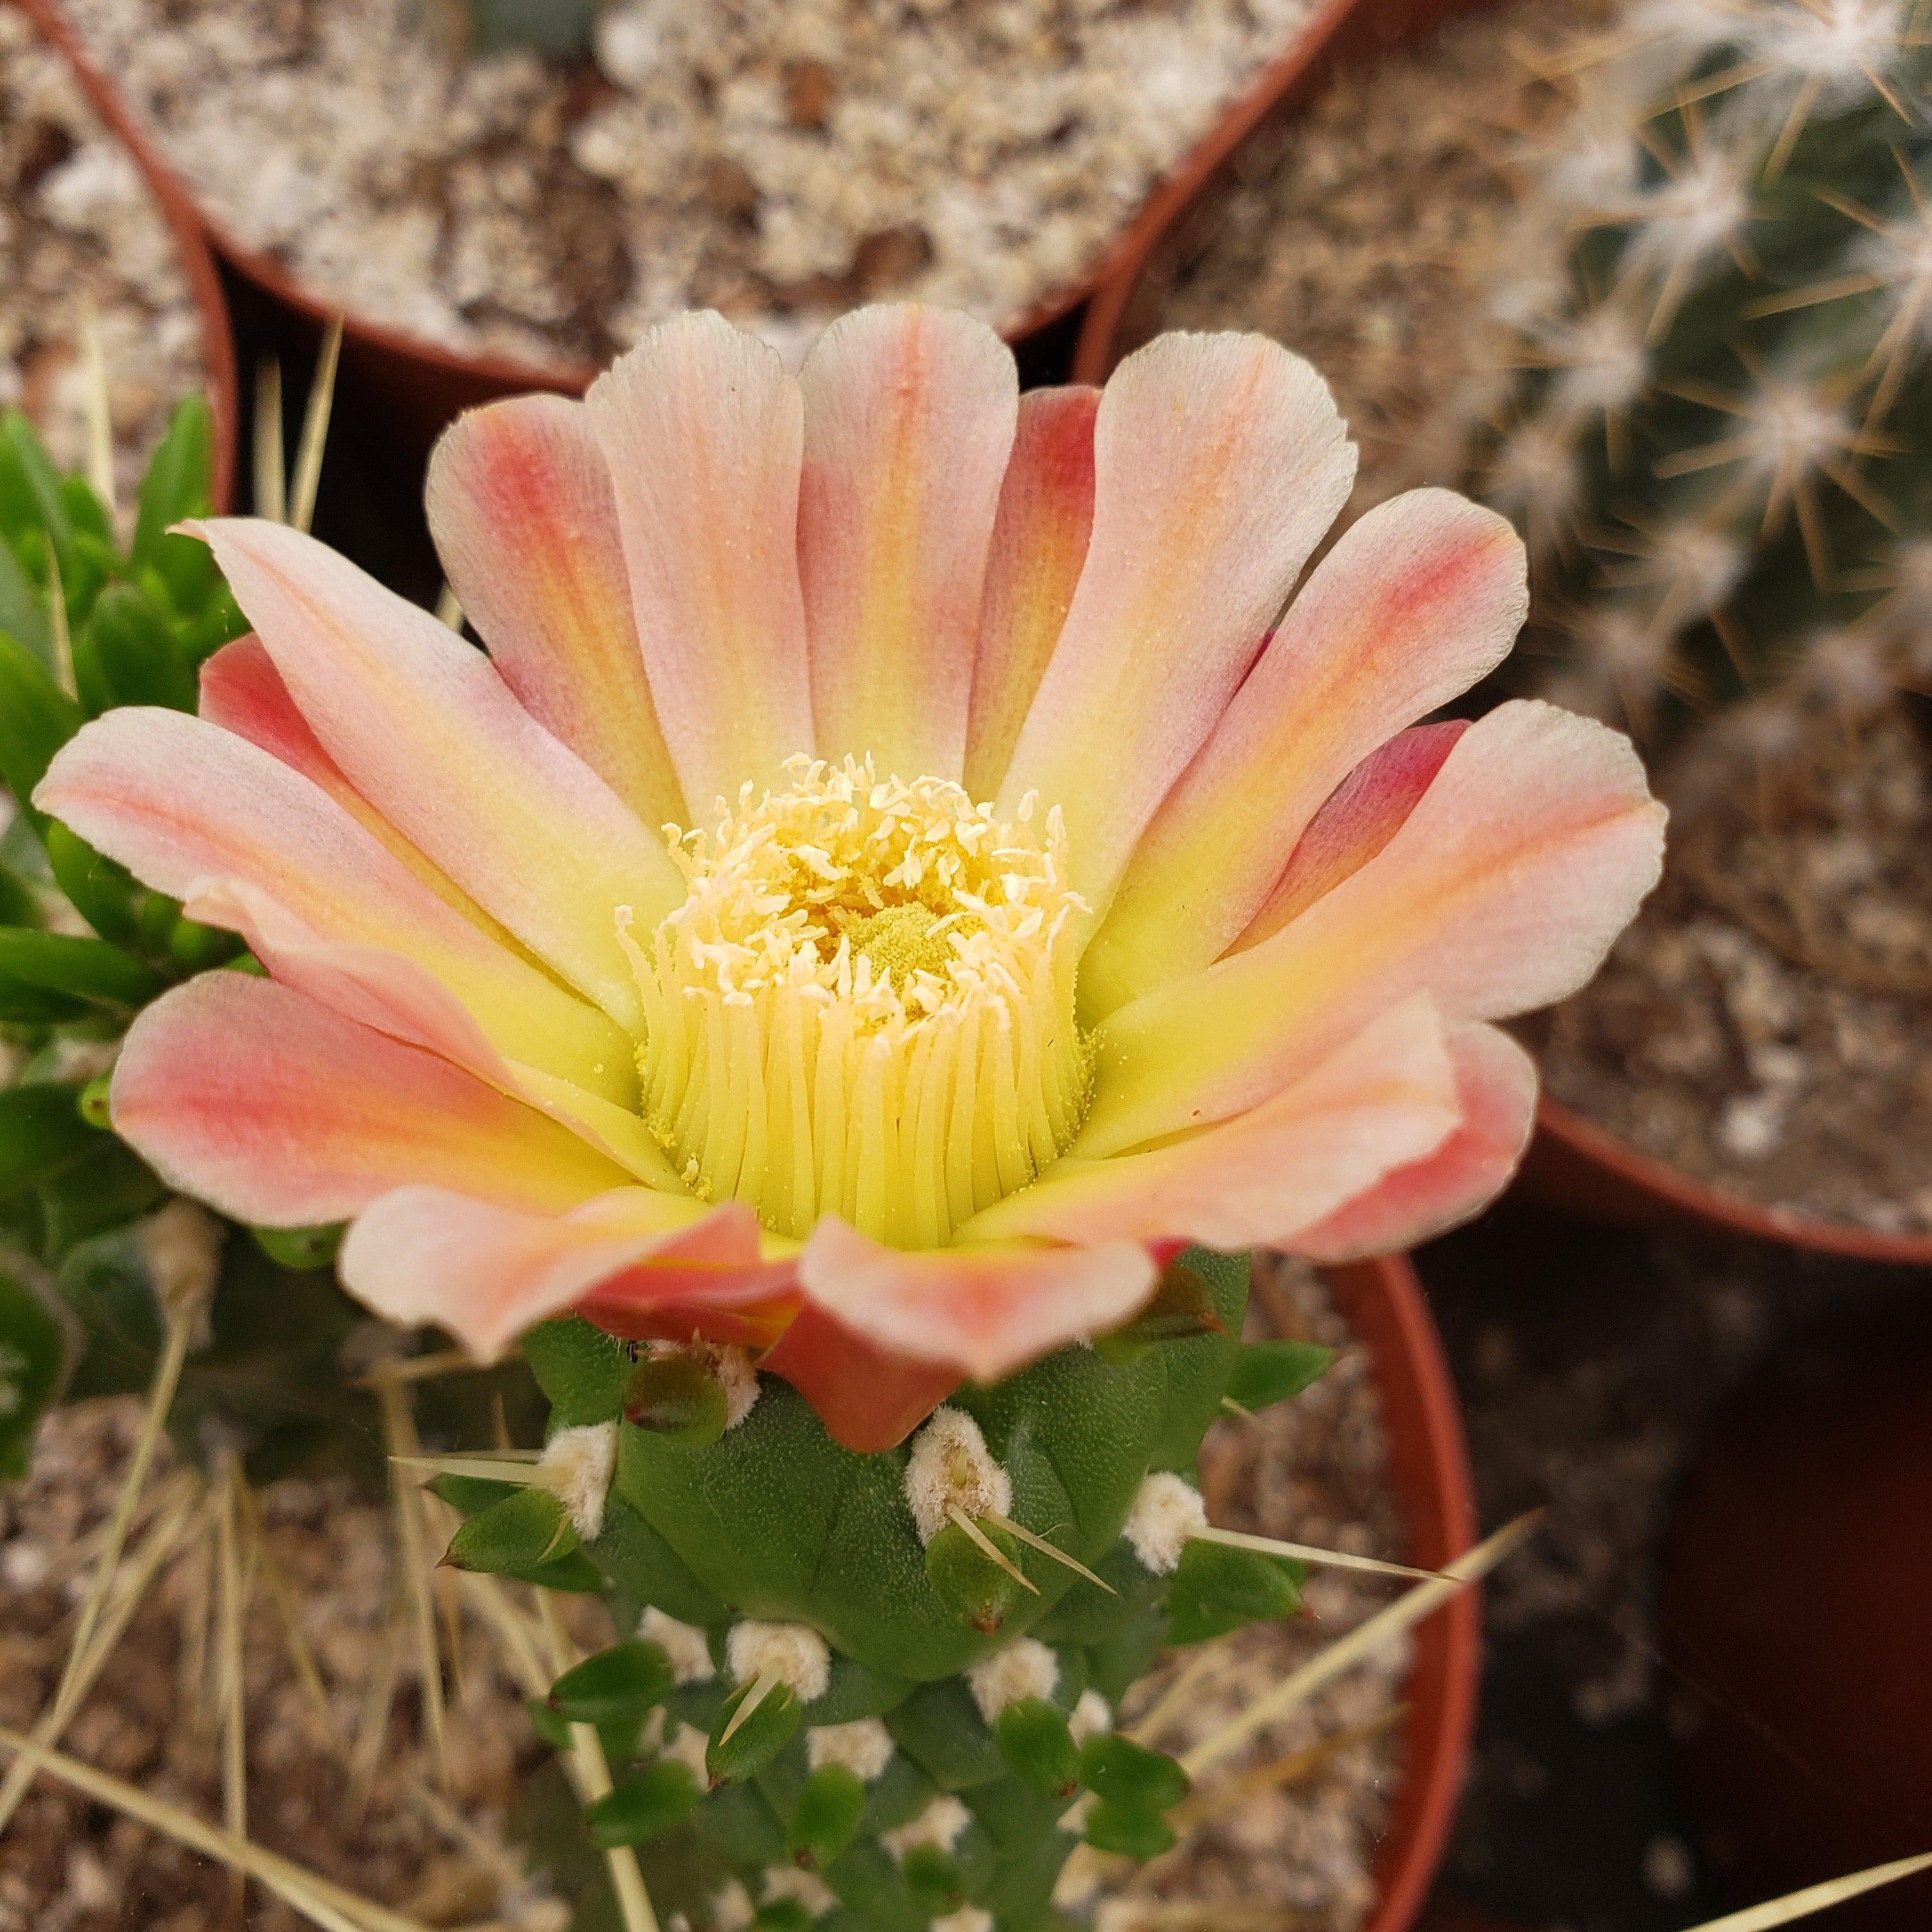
{"points": [[876, 1692], [1721, 302]]}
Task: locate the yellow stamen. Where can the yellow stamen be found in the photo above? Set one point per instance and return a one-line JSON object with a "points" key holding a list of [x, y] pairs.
{"points": [[864, 1006]]}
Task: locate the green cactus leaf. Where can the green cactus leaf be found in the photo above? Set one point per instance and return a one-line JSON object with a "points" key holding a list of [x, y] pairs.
{"points": [[1087, 1615], [104, 894], [747, 1735], [176, 486], [1033, 1738], [42, 1133], [935, 1879], [645, 1806], [470, 1494], [109, 1186], [37, 717], [1183, 1308], [1128, 1831], [1266, 1373], [129, 645], [676, 1397], [896, 1796], [975, 1589], [1120, 1771], [87, 969], [827, 1816], [867, 1882], [301, 1249], [518, 1536], [625, 1682], [580, 1369], [32, 498], [37, 1347], [1217, 1589]]}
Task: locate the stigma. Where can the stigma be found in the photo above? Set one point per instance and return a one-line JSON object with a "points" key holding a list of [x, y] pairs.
{"points": [[865, 1005]]}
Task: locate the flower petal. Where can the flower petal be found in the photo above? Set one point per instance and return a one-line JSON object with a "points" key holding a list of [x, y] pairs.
{"points": [[1361, 816], [1417, 601], [251, 844], [1502, 891], [424, 727], [242, 691], [702, 430], [1039, 544], [869, 1399], [984, 1311], [525, 519], [1219, 462], [909, 418], [485, 1272], [253, 1096], [1382, 1102], [1495, 1083]]}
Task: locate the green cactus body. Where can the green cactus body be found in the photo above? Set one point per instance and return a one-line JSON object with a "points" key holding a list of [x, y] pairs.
{"points": [[1720, 443], [824, 1717]]}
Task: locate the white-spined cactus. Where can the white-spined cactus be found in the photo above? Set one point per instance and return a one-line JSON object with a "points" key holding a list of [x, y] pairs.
{"points": [[1719, 303]]}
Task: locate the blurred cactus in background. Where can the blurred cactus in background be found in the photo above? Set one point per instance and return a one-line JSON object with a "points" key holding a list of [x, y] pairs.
{"points": [[1708, 394], [553, 30]]}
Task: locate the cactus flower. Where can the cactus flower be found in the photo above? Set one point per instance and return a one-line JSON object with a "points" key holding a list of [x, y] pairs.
{"points": [[903, 868]]}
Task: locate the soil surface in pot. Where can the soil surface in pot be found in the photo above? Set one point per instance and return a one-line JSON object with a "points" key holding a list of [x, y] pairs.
{"points": [[775, 160], [1350, 229], [80, 234], [355, 1794], [1291, 1822], [1591, 1365], [1763, 1025]]}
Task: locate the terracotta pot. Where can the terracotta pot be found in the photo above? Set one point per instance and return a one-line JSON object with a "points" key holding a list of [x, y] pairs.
{"points": [[1796, 1593], [218, 342], [1574, 1165], [422, 384], [1429, 1465]]}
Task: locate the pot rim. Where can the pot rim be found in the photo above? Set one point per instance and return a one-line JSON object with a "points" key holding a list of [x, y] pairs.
{"points": [[1382, 1301], [1636, 1185], [507, 373], [190, 243]]}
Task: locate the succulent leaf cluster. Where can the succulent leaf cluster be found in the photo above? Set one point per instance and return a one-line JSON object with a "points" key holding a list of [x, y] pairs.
{"points": [[91, 618], [876, 1692], [1717, 310]]}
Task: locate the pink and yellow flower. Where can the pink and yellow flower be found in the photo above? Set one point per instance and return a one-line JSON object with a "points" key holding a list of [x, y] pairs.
{"points": [[903, 867]]}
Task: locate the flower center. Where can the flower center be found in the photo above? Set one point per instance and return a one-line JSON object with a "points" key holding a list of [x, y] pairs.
{"points": [[864, 1006]]}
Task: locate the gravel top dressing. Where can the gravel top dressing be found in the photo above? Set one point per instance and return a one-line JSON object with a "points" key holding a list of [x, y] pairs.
{"points": [[1763, 1025], [80, 231], [779, 160]]}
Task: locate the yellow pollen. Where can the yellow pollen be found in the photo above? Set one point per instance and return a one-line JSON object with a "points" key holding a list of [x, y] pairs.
{"points": [[864, 1005]]}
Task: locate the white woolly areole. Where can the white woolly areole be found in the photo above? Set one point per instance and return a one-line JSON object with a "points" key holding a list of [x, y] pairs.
{"points": [[938, 1825], [967, 1919], [577, 1464], [1167, 1513], [686, 1644], [181, 1245], [794, 1653], [788, 1882], [1026, 1668], [732, 1365], [1093, 1717], [864, 1747], [949, 1467], [731, 1907], [687, 1746]]}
